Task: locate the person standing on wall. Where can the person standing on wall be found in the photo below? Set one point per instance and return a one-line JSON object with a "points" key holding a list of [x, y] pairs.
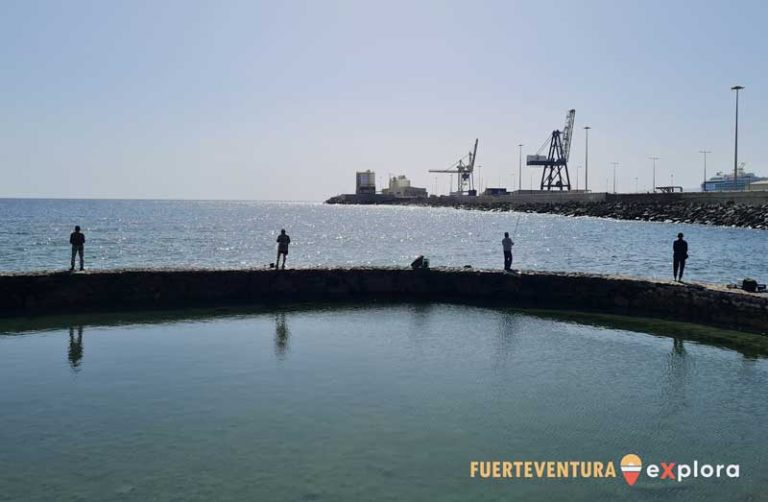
{"points": [[282, 248], [506, 244], [679, 255], [77, 239]]}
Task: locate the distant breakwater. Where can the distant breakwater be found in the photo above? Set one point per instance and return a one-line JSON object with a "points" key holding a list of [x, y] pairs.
{"points": [[723, 214], [731, 209]]}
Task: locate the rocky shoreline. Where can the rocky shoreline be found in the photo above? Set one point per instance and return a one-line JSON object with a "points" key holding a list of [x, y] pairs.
{"points": [[727, 214]]}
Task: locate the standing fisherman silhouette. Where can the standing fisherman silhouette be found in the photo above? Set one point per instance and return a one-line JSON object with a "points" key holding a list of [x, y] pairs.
{"points": [[282, 248], [506, 244], [679, 255], [77, 240]]}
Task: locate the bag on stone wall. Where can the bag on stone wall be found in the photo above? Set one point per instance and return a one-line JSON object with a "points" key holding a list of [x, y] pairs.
{"points": [[420, 263], [749, 285]]}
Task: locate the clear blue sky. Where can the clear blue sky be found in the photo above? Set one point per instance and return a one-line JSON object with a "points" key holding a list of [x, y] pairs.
{"points": [[286, 100]]}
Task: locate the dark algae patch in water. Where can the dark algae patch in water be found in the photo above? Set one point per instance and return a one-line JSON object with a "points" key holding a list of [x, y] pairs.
{"points": [[749, 344]]}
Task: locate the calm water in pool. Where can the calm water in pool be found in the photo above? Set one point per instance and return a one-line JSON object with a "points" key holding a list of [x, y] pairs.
{"points": [[367, 403]]}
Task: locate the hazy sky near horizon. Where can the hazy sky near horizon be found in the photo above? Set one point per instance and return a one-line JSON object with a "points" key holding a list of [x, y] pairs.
{"points": [[286, 100]]}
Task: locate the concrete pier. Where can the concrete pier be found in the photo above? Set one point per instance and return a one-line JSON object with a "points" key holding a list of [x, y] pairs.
{"points": [[53, 293]]}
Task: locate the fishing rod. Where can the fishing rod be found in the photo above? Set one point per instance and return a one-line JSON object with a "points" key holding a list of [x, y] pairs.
{"points": [[514, 233]]}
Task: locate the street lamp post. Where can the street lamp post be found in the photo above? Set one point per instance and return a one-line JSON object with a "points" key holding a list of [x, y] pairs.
{"points": [[586, 160], [577, 177], [704, 184], [653, 186], [520, 169], [479, 179], [736, 88]]}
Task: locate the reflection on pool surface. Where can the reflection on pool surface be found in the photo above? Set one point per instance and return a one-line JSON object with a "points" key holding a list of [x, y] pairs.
{"points": [[367, 403]]}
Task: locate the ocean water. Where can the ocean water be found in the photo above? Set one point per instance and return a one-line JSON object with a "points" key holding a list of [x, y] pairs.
{"points": [[214, 234], [373, 402]]}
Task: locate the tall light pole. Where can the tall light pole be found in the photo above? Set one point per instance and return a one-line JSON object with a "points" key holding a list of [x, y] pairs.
{"points": [[577, 177], [736, 88], [614, 164], [653, 186], [520, 169], [704, 184], [586, 160], [479, 179]]}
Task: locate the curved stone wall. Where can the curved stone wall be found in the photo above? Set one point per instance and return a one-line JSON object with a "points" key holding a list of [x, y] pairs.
{"points": [[47, 293]]}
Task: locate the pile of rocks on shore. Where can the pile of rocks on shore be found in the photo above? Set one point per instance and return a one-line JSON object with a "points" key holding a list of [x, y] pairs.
{"points": [[724, 214]]}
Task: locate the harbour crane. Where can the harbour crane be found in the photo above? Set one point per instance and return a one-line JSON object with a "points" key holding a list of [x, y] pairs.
{"points": [[465, 178], [555, 174]]}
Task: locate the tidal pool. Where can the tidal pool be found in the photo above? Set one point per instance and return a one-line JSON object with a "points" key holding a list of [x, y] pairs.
{"points": [[387, 402]]}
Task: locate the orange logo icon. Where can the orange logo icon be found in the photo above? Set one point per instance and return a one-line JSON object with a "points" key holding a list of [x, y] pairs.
{"points": [[631, 465]]}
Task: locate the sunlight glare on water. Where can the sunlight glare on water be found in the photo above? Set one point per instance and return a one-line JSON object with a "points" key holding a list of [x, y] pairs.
{"points": [[218, 234]]}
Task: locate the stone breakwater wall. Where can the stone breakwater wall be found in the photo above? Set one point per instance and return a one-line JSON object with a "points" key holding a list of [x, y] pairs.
{"points": [[738, 209], [724, 214], [49, 293]]}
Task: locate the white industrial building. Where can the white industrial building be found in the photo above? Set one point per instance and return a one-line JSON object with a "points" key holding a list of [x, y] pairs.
{"points": [[400, 187]]}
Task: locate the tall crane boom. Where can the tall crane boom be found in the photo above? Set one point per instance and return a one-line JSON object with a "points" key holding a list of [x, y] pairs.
{"points": [[474, 155], [465, 179], [568, 133], [555, 173]]}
